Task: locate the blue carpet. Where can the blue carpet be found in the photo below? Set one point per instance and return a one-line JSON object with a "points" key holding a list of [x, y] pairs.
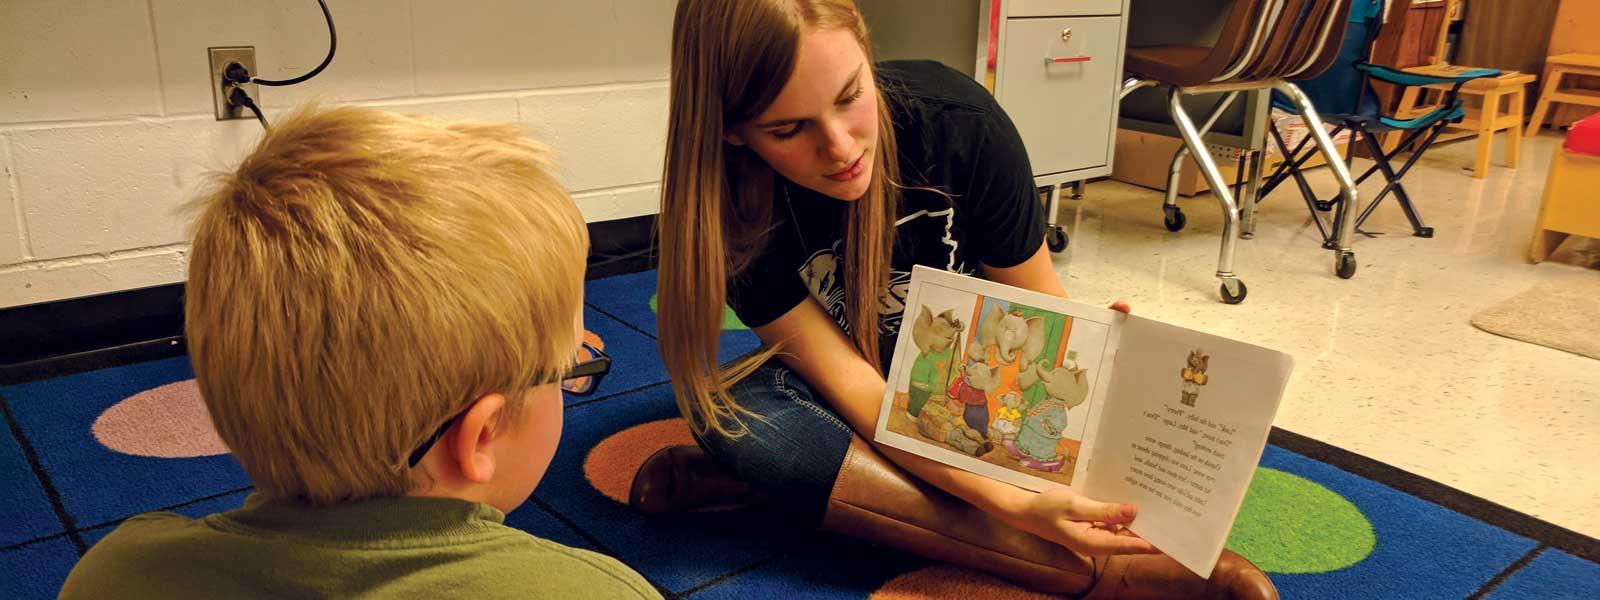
{"points": [[1423, 549], [1553, 575], [98, 485]]}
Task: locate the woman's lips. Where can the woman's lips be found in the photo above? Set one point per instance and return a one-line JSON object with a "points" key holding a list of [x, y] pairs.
{"points": [[851, 172]]}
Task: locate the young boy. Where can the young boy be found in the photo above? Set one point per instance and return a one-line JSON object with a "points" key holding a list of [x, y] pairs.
{"points": [[363, 281]]}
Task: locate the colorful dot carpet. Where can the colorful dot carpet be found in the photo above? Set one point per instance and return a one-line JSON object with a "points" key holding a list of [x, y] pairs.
{"points": [[85, 445]]}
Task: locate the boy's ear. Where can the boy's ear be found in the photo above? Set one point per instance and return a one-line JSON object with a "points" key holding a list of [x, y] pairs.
{"points": [[471, 446]]}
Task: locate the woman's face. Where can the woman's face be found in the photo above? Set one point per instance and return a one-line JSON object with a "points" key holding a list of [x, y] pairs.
{"points": [[822, 129]]}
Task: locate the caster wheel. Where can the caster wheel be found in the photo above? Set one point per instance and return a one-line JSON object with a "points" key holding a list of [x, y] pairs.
{"points": [[1425, 232], [1231, 297], [1056, 238], [1347, 265], [1175, 219]]}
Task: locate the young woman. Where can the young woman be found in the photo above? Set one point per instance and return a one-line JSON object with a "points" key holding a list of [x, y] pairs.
{"points": [[802, 183]]}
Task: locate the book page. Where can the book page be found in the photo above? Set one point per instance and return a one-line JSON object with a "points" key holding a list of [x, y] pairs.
{"points": [[997, 380], [1186, 419]]}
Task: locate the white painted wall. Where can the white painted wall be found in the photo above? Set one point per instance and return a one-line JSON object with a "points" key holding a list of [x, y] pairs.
{"points": [[106, 126]]}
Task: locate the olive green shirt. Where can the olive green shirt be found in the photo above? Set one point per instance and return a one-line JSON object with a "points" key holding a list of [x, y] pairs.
{"points": [[385, 548]]}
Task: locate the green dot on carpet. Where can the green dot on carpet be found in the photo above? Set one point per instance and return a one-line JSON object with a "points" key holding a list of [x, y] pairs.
{"points": [[729, 320], [1290, 524]]}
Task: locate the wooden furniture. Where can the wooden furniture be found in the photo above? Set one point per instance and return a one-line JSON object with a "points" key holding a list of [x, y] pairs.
{"points": [[1556, 69], [1422, 33], [1574, 32], [1509, 89], [1570, 205]]}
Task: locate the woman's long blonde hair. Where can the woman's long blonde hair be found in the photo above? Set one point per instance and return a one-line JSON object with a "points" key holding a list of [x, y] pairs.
{"points": [[730, 59]]}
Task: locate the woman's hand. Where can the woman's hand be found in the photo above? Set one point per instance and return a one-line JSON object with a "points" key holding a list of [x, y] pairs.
{"points": [[1086, 526]]}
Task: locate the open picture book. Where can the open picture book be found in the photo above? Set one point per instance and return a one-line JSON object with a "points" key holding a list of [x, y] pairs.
{"points": [[1043, 392]]}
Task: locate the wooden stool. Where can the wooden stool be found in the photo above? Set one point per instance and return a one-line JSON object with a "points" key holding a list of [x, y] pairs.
{"points": [[1570, 205], [1510, 86], [1557, 67]]}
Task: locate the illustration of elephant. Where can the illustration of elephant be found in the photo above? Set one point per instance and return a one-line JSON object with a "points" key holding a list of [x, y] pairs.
{"points": [[935, 338], [1007, 337], [1044, 425]]}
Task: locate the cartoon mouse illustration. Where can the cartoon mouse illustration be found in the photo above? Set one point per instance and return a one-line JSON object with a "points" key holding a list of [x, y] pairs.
{"points": [[1194, 376]]}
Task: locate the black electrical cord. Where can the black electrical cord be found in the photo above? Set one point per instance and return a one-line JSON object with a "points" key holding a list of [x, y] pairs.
{"points": [[333, 43], [238, 97]]}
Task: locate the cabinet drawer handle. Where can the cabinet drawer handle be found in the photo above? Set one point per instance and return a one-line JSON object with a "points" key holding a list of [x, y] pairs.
{"points": [[1067, 59]]}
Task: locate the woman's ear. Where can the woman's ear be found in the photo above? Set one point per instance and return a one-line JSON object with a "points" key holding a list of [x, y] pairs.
{"points": [[471, 445], [733, 138]]}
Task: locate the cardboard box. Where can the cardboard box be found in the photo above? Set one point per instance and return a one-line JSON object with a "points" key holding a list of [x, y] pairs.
{"points": [[1142, 159]]}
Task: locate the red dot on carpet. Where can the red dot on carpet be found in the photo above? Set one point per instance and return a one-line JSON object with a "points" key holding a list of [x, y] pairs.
{"points": [[612, 462], [170, 421]]}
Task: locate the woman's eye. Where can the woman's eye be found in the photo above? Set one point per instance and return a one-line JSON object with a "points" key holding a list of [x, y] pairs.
{"points": [[785, 134], [854, 96]]}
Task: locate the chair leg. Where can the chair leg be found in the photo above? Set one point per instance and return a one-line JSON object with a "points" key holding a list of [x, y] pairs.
{"points": [[1252, 187], [1486, 118], [1544, 242], [1345, 263], [1175, 170], [1518, 107], [1552, 80], [1232, 288], [1291, 160], [1292, 166], [1174, 174], [1393, 179]]}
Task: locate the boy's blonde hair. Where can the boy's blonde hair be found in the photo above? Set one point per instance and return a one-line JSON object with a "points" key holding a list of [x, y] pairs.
{"points": [[362, 277]]}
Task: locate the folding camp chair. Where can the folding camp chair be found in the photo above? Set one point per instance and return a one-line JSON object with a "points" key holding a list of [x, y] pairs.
{"points": [[1344, 95], [1262, 45]]}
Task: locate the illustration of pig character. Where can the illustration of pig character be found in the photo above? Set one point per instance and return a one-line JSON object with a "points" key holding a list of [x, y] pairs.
{"points": [[1044, 424]]}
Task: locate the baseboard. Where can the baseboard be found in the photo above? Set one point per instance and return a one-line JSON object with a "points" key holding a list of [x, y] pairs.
{"points": [[147, 320]]}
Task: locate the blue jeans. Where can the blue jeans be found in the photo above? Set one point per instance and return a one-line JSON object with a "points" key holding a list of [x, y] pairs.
{"points": [[795, 454]]}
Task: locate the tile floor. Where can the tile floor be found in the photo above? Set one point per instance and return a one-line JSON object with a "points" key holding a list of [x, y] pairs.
{"points": [[1388, 365]]}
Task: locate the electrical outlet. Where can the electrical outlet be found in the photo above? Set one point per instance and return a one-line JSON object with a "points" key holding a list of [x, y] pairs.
{"points": [[220, 59]]}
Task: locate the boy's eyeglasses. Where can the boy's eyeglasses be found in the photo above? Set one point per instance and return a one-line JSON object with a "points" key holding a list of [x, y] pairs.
{"points": [[584, 378]]}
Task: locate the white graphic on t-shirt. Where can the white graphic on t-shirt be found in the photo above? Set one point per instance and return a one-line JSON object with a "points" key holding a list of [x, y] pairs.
{"points": [[821, 272]]}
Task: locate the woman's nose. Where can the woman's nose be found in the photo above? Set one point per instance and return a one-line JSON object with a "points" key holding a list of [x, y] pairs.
{"points": [[836, 143]]}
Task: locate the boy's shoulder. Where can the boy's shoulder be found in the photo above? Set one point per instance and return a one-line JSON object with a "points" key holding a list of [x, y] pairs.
{"points": [[140, 549], [165, 551], [558, 569]]}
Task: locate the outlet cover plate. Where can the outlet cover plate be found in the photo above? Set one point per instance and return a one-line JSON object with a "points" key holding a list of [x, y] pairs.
{"points": [[220, 58]]}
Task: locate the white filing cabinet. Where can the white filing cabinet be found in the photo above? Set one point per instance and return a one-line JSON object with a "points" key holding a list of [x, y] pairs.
{"points": [[1054, 65], [1056, 69]]}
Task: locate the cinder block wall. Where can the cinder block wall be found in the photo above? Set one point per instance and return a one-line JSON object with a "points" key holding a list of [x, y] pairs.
{"points": [[106, 126]]}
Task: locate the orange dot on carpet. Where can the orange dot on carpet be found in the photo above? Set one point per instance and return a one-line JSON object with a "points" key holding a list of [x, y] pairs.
{"points": [[170, 421], [946, 582], [612, 462]]}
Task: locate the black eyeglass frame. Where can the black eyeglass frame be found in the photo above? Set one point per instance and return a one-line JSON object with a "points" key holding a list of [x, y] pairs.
{"points": [[595, 368]]}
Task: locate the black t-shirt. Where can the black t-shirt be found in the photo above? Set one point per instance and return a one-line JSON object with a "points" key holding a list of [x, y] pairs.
{"points": [[953, 137]]}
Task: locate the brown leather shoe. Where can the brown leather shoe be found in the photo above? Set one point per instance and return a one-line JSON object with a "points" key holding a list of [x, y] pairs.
{"points": [[874, 500], [681, 479], [1159, 577]]}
